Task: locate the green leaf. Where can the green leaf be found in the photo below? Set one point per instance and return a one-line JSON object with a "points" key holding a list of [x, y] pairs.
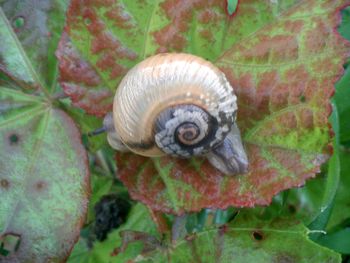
{"points": [[344, 27], [332, 179], [341, 99], [338, 241], [342, 199], [244, 240], [80, 253], [13, 60], [44, 177], [29, 39]]}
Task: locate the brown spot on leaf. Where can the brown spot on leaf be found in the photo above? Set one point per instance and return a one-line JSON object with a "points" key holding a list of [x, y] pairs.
{"points": [[207, 34], [258, 235], [4, 183], [40, 185]]}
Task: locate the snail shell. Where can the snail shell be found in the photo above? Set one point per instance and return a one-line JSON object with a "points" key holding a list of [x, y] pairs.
{"points": [[176, 104]]}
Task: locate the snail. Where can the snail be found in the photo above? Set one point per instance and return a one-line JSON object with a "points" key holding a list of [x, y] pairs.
{"points": [[181, 105]]}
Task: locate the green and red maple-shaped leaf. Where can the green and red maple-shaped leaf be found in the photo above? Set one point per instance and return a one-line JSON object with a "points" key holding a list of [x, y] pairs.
{"points": [[44, 172], [281, 57]]}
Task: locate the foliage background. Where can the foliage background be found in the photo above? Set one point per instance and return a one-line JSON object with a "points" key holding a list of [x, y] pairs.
{"points": [[318, 211]]}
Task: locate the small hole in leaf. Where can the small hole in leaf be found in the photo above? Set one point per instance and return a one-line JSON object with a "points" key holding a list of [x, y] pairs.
{"points": [[4, 183], [18, 22], [9, 244], [302, 98], [13, 139], [40, 185], [258, 235]]}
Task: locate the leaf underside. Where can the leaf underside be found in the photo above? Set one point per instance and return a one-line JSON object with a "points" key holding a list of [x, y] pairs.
{"points": [[282, 58]]}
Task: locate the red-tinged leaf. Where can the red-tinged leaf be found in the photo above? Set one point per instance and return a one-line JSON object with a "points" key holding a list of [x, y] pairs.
{"points": [[284, 92], [78, 77], [176, 186], [106, 38], [281, 57]]}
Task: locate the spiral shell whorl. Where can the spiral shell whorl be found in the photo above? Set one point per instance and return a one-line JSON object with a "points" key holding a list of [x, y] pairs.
{"points": [[186, 130], [172, 81]]}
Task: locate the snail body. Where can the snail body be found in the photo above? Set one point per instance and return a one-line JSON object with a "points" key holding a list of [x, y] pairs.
{"points": [[177, 104]]}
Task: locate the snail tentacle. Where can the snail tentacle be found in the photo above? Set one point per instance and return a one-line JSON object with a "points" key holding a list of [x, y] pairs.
{"points": [[230, 157]]}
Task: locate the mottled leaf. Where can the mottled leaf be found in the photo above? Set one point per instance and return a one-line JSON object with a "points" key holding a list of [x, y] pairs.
{"points": [[29, 39], [244, 240], [44, 173], [43, 178], [279, 73], [281, 57], [105, 38], [283, 94]]}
